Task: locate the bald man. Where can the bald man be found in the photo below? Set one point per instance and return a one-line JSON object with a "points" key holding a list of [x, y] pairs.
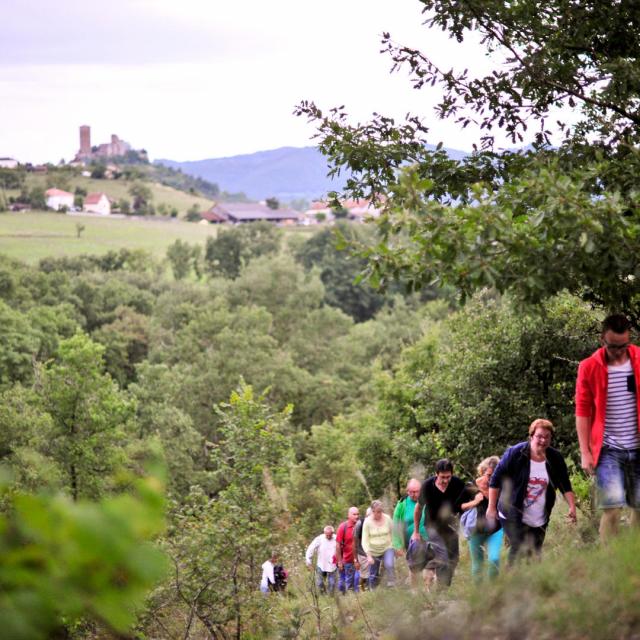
{"points": [[344, 552], [403, 524]]}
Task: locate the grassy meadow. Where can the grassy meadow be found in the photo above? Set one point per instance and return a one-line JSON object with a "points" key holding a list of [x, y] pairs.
{"points": [[31, 236]]}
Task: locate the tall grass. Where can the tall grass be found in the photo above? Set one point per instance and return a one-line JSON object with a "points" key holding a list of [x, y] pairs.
{"points": [[578, 590]]}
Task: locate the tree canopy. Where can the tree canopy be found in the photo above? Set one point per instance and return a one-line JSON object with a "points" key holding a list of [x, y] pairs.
{"points": [[111, 358], [532, 221], [562, 54]]}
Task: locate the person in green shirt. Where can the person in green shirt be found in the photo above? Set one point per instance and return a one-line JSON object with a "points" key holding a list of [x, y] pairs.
{"points": [[403, 517], [403, 523]]}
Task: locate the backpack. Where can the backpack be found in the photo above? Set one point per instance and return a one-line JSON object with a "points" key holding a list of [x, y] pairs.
{"points": [[468, 522], [419, 554], [341, 535], [357, 536], [280, 576], [342, 528]]}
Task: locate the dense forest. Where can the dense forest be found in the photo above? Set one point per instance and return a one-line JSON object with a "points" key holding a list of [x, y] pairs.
{"points": [[250, 392]]}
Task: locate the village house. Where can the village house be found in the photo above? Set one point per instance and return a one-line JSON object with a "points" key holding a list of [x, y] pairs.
{"points": [[97, 203], [58, 199], [358, 210], [318, 212], [212, 217], [242, 212], [8, 163]]}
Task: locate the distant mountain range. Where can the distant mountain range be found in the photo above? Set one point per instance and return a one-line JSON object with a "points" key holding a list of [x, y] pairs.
{"points": [[287, 173]]}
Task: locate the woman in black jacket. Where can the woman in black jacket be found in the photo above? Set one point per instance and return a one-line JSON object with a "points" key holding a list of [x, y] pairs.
{"points": [[523, 488]]}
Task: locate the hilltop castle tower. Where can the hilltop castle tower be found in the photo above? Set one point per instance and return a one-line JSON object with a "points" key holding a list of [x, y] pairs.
{"points": [[117, 148], [85, 141]]}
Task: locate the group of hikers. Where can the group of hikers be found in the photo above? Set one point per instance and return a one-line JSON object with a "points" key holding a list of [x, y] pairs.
{"points": [[512, 496]]}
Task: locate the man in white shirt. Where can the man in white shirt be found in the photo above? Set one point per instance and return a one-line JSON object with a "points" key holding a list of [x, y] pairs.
{"points": [[268, 580], [325, 546]]}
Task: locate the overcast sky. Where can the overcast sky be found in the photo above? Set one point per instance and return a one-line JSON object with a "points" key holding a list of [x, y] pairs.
{"points": [[194, 79]]}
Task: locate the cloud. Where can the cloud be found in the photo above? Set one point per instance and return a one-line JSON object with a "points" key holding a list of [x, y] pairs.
{"points": [[190, 79], [126, 32]]}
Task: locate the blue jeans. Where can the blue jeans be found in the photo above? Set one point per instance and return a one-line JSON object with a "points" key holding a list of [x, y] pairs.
{"points": [[618, 478], [320, 580], [491, 543], [388, 559], [348, 578]]}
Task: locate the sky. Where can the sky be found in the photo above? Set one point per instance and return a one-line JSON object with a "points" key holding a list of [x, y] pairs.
{"points": [[195, 79]]}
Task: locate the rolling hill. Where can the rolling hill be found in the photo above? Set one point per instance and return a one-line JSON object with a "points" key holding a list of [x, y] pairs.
{"points": [[287, 173], [119, 189]]}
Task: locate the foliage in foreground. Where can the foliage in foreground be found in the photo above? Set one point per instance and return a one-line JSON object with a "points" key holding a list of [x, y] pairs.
{"points": [[63, 562]]}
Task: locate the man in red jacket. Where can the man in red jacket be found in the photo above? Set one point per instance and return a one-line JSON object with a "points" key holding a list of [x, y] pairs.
{"points": [[344, 552], [607, 410]]}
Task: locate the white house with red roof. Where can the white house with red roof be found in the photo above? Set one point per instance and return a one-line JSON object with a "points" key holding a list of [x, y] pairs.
{"points": [[360, 210], [8, 163], [97, 203], [58, 199]]}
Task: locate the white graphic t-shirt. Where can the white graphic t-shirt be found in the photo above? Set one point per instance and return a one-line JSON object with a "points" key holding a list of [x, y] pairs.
{"points": [[536, 496]]}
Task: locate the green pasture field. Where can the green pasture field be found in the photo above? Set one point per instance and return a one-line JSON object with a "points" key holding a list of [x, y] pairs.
{"points": [[31, 236]]}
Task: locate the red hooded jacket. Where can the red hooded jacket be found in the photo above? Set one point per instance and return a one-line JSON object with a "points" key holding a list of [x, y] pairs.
{"points": [[591, 393]]}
